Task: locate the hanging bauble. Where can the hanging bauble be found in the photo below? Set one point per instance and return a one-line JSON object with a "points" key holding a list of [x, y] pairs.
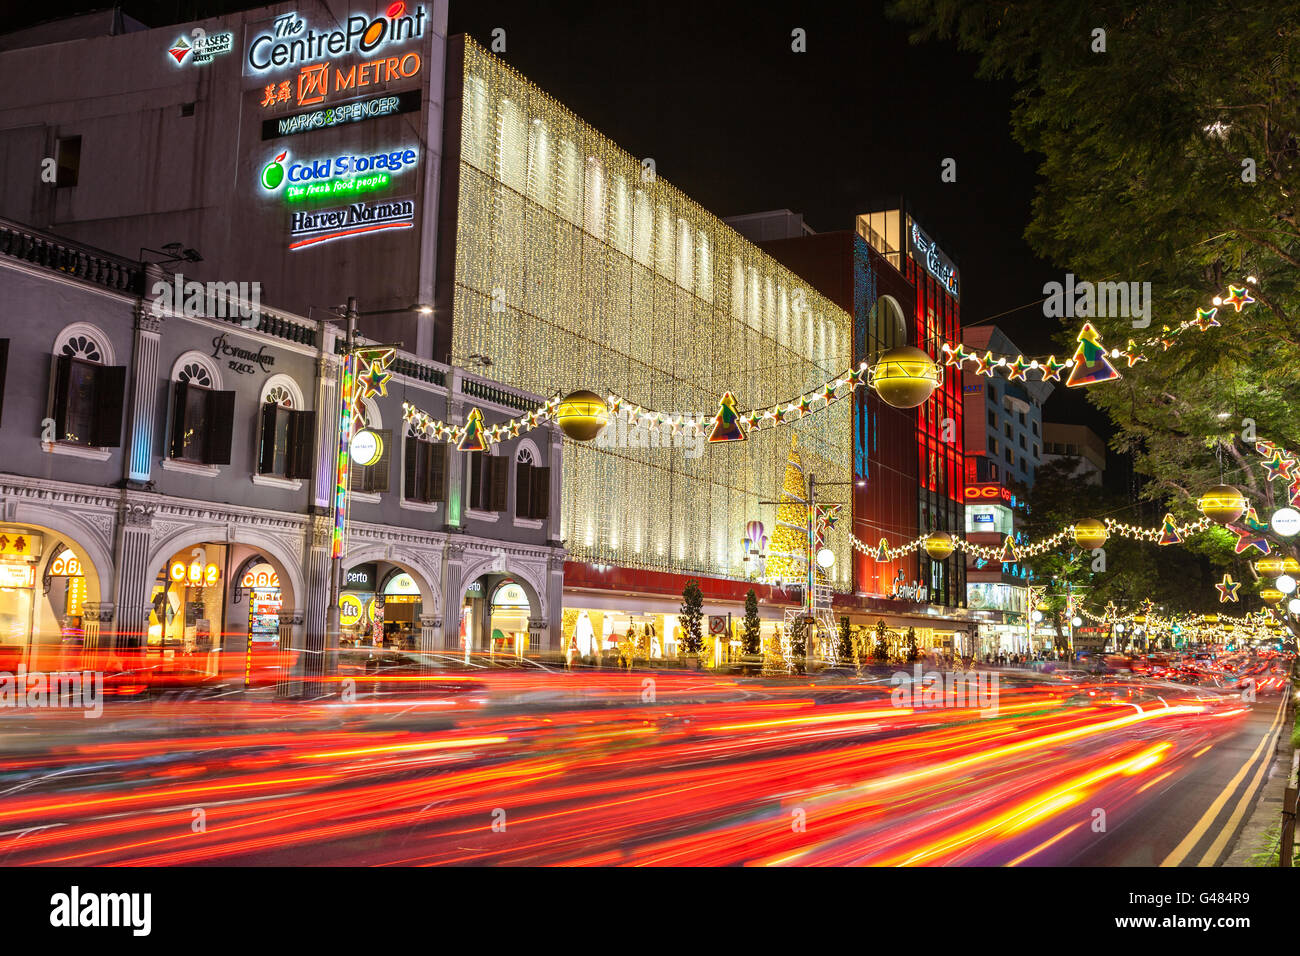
{"points": [[938, 545], [1090, 533], [1222, 503], [905, 377], [582, 415], [1271, 594]]}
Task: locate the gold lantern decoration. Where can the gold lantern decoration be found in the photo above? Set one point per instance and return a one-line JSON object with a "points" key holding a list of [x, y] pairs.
{"points": [[1139, 618], [939, 544], [1222, 503], [582, 415], [905, 377], [1211, 619], [1271, 594], [1090, 533], [1270, 566]]}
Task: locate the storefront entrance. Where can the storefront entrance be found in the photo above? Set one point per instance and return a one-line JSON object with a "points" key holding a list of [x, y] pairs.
{"points": [[46, 581], [495, 615], [380, 607]]}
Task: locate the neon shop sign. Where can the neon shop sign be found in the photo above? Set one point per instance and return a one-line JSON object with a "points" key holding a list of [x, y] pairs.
{"points": [[290, 41], [343, 175], [936, 263]]}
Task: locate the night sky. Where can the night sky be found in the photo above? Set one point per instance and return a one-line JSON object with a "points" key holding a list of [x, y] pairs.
{"points": [[739, 122]]}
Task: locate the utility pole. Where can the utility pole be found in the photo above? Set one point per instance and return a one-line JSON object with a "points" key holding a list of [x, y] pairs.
{"points": [[333, 627]]}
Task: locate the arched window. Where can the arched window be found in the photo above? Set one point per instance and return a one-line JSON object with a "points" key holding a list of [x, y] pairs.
{"points": [[86, 400], [888, 327], [202, 414], [532, 484], [287, 437]]}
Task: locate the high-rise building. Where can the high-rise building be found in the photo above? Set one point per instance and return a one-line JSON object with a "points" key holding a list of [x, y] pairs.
{"points": [[1004, 417], [906, 462]]}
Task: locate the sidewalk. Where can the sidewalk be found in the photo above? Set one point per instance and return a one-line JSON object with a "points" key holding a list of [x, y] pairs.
{"points": [[1261, 830]]}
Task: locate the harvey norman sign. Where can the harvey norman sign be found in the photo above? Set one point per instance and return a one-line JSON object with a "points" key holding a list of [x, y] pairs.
{"points": [[312, 227]]}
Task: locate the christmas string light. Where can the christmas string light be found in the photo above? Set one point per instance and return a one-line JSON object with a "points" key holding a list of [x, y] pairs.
{"points": [[432, 429]]}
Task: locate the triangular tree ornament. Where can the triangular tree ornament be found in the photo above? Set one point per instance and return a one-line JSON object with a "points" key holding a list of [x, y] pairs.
{"points": [[1009, 554], [882, 552], [473, 438], [1090, 363], [726, 424], [1169, 531]]}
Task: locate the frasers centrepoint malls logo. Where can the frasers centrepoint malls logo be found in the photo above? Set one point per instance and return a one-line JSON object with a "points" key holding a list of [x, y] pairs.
{"points": [[334, 176], [290, 41]]}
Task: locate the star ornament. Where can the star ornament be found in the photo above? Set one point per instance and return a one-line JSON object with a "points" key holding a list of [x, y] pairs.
{"points": [[1238, 298], [956, 356], [375, 380], [983, 365], [1052, 369], [1228, 589], [1250, 539], [1131, 354], [1205, 318], [1018, 368]]}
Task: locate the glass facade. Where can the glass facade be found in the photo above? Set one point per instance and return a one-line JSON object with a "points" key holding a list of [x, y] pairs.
{"points": [[617, 282]]}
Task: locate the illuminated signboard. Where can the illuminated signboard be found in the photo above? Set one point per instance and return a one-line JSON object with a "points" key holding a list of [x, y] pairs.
{"points": [[351, 112], [291, 42], [987, 492], [331, 176], [325, 225], [17, 576], [202, 49], [65, 565], [936, 263], [983, 518]]}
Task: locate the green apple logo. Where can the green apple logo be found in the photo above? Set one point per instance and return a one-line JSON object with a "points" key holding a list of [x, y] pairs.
{"points": [[273, 174]]}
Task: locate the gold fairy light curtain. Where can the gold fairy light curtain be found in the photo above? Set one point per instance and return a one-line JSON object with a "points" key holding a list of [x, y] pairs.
{"points": [[577, 266]]}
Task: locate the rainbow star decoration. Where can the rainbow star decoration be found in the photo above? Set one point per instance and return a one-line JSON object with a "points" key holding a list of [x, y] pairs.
{"points": [[1052, 369], [1237, 297], [1131, 354], [375, 380], [1248, 539], [1228, 589], [1205, 319], [1018, 368], [955, 356]]}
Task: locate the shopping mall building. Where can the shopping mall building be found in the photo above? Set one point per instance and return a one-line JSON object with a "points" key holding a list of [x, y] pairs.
{"points": [[317, 153]]}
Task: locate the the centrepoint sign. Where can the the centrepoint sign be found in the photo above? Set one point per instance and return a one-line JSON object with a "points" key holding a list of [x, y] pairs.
{"points": [[291, 41]]}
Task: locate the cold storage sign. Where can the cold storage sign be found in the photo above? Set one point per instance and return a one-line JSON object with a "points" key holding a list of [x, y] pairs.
{"points": [[335, 176]]}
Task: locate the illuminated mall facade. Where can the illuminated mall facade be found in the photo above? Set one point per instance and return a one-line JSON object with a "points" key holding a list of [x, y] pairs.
{"points": [[513, 254]]}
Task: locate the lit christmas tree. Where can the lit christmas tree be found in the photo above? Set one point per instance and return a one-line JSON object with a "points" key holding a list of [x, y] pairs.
{"points": [[1090, 363], [787, 556], [472, 439], [1169, 531], [726, 424]]}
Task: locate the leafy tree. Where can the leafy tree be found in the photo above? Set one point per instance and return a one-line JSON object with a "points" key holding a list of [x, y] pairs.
{"points": [[692, 615], [882, 642], [913, 652], [751, 623], [1190, 186]]}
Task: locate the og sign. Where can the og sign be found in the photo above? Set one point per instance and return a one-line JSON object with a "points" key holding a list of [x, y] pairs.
{"points": [[366, 448]]}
